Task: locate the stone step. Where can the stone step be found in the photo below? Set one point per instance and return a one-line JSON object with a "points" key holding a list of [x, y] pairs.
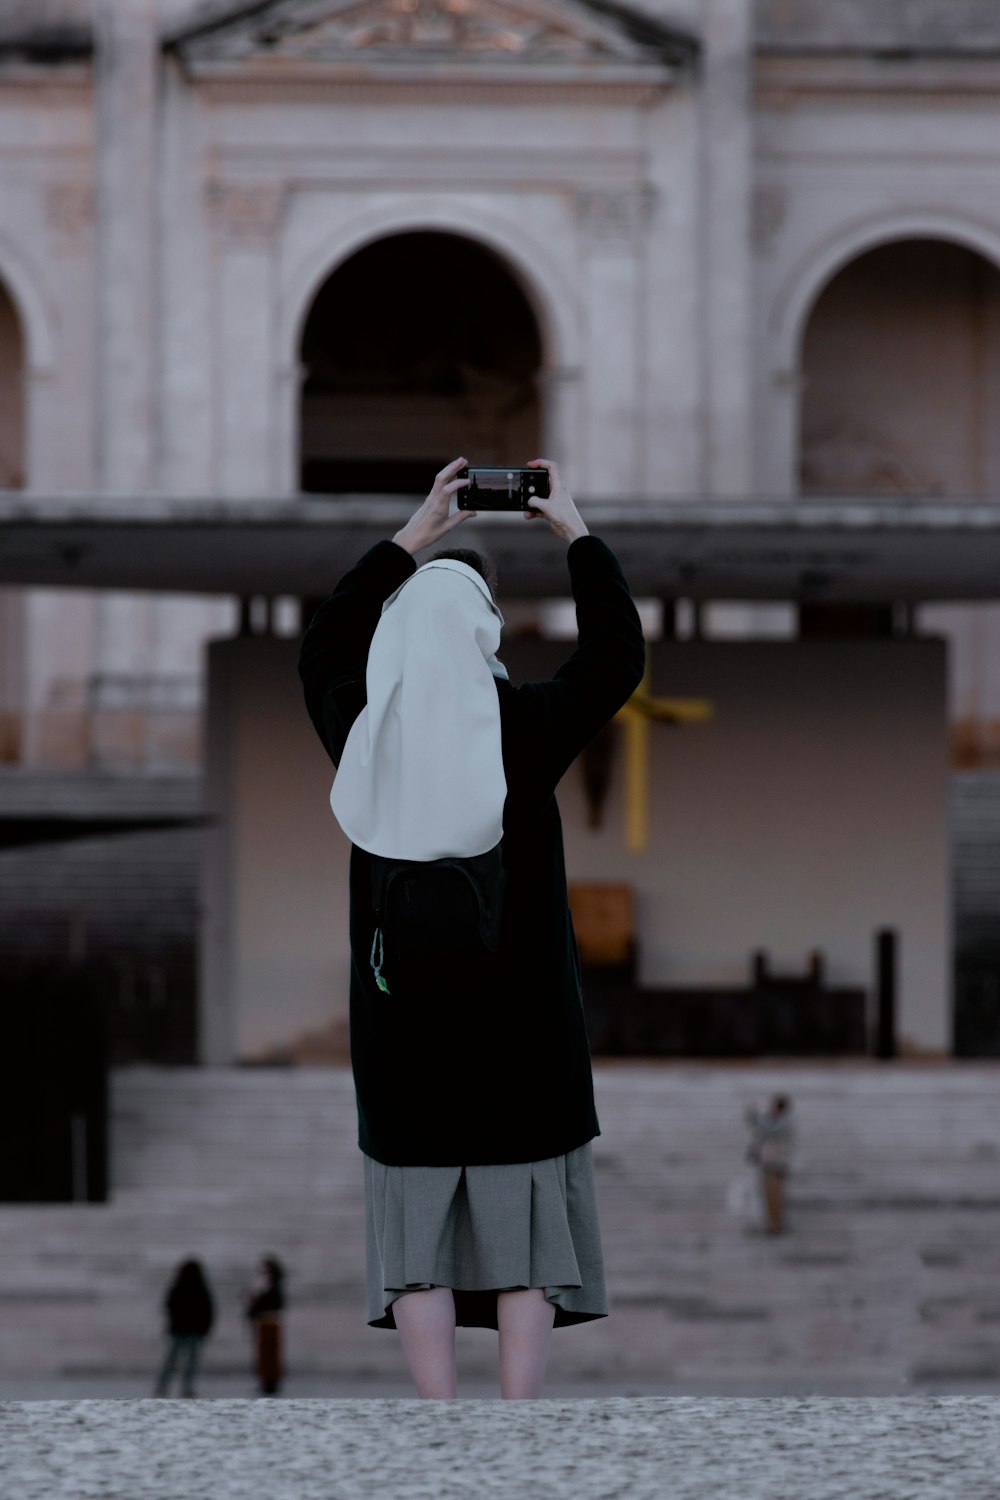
{"points": [[891, 1267]]}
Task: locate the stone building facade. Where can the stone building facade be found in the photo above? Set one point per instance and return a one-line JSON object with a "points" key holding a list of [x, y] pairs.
{"points": [[733, 250], [698, 249]]}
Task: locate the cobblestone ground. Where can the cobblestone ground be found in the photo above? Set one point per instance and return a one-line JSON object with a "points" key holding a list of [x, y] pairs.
{"points": [[684, 1449]]}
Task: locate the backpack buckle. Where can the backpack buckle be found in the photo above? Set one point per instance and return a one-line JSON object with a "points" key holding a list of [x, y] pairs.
{"points": [[377, 939]]}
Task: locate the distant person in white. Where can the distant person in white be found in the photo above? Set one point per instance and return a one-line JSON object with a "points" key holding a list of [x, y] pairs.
{"points": [[770, 1150]]}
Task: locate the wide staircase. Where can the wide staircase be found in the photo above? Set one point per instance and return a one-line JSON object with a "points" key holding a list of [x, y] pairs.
{"points": [[888, 1279]]}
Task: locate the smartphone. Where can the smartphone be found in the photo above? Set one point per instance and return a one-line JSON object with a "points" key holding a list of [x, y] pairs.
{"points": [[501, 489]]}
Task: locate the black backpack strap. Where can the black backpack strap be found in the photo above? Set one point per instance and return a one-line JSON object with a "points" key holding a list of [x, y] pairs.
{"points": [[484, 873], [489, 879]]}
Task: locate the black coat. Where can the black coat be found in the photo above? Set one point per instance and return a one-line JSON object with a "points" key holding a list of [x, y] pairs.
{"points": [[271, 1300], [189, 1310], [501, 1074]]}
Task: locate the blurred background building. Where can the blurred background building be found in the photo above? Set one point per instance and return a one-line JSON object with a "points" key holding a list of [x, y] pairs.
{"points": [[706, 254], [265, 267]]}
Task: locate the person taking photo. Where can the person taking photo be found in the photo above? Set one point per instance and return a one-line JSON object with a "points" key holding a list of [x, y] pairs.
{"points": [[472, 1072]]}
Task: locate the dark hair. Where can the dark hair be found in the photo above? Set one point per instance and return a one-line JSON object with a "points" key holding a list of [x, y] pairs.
{"points": [[484, 566], [274, 1269], [190, 1275]]}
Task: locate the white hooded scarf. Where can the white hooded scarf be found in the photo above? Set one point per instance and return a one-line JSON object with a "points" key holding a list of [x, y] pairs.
{"points": [[421, 776]]}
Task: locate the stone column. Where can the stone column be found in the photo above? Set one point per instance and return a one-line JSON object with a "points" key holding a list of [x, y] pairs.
{"points": [[776, 460], [246, 217], [612, 222], [726, 177], [126, 81], [13, 676], [286, 426], [559, 398], [187, 415], [126, 73], [274, 943], [60, 390], [672, 381]]}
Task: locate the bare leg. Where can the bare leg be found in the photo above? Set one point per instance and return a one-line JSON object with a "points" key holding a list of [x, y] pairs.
{"points": [[774, 1202], [525, 1320], [426, 1323], [163, 1383]]}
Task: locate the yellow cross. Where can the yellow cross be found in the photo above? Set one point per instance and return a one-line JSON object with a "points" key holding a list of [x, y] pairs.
{"points": [[636, 716]]}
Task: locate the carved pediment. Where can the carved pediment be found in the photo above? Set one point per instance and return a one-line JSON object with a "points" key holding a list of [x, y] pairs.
{"points": [[490, 32]]}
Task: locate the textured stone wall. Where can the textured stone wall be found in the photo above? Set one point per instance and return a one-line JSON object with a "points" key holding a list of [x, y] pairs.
{"points": [[860, 25]]}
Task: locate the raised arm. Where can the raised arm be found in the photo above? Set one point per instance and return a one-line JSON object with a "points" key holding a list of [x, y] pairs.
{"points": [[334, 652], [334, 655], [560, 716]]}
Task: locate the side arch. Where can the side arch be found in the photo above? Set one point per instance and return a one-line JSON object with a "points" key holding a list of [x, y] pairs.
{"points": [[778, 390], [817, 266], [37, 323]]}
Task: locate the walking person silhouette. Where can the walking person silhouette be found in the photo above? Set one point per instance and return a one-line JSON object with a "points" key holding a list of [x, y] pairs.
{"points": [[473, 1079], [770, 1151], [265, 1306], [190, 1314]]}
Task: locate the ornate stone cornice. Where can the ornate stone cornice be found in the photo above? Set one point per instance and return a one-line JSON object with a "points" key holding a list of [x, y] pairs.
{"points": [[783, 81], [910, 28], [246, 213], [69, 212], [503, 38], [314, 83], [44, 42], [617, 214], [768, 212]]}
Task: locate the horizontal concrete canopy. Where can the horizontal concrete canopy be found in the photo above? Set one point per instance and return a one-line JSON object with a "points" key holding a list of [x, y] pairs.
{"points": [[886, 549]]}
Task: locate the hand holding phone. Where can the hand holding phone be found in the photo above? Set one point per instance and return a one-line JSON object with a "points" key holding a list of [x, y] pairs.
{"points": [[502, 489], [557, 505], [435, 518]]}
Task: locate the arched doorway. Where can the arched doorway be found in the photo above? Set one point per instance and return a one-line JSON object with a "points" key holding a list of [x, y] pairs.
{"points": [[419, 347], [901, 375], [901, 396], [11, 395], [12, 644]]}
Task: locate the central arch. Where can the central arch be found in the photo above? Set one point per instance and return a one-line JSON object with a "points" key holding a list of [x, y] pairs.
{"points": [[420, 345]]}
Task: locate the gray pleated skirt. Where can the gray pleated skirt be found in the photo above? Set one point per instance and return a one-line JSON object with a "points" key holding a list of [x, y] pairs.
{"points": [[480, 1230]]}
